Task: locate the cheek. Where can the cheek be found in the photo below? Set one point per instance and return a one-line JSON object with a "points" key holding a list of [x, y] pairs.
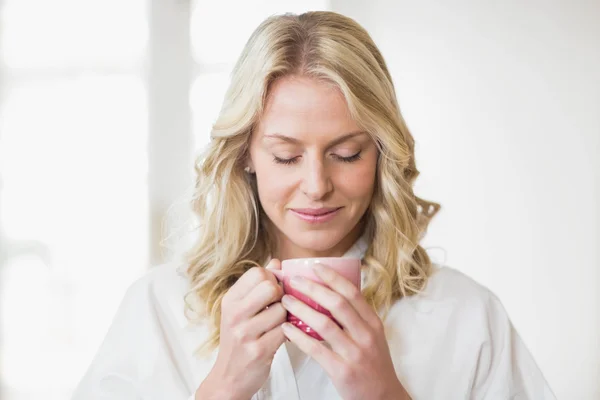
{"points": [[359, 186], [271, 191], [274, 192]]}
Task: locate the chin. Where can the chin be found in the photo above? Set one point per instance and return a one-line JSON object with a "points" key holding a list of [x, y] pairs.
{"points": [[317, 241]]}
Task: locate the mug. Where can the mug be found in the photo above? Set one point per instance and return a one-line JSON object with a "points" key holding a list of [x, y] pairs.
{"points": [[349, 268]]}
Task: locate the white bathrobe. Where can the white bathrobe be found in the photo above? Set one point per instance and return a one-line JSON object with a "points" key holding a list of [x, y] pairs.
{"points": [[453, 341]]}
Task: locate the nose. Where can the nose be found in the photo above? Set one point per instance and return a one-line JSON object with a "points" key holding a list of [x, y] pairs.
{"points": [[316, 183]]}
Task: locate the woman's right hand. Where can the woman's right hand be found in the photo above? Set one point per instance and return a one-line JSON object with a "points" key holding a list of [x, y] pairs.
{"points": [[250, 335]]}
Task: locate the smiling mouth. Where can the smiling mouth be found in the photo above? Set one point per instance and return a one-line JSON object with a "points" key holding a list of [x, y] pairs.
{"points": [[316, 215]]}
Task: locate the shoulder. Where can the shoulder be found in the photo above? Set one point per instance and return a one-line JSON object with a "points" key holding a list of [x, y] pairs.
{"points": [[149, 336], [455, 319], [503, 367], [449, 283], [449, 292], [160, 291], [155, 304]]}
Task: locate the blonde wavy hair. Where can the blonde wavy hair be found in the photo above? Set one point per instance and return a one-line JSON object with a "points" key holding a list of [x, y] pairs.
{"points": [[233, 229]]}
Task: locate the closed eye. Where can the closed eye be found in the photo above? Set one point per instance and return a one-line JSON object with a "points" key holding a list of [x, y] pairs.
{"points": [[285, 161], [293, 160], [349, 159]]}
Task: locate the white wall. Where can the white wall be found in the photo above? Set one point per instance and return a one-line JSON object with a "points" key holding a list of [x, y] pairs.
{"points": [[503, 99]]}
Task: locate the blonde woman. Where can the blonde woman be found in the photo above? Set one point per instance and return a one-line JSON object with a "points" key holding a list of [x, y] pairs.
{"points": [[310, 157]]}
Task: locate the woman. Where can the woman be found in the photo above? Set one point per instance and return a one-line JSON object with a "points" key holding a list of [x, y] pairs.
{"points": [[310, 127]]}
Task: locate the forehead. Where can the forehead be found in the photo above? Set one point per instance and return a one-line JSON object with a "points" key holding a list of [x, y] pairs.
{"points": [[306, 108]]}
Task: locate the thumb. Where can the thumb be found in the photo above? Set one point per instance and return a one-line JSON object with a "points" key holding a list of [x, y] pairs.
{"points": [[274, 266]]}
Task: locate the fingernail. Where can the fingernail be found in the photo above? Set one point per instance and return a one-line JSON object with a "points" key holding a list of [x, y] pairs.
{"points": [[319, 268], [297, 281], [286, 327], [287, 300]]}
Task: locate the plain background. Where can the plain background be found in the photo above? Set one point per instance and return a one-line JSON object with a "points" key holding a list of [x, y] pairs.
{"points": [[503, 99]]}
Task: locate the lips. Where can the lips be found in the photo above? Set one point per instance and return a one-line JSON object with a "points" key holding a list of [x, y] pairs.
{"points": [[315, 212], [316, 215]]}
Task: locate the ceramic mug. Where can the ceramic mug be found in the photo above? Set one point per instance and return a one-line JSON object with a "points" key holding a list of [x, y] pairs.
{"points": [[349, 268]]}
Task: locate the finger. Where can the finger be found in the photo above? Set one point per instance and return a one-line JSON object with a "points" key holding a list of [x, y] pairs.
{"points": [[266, 293], [339, 307], [271, 340], [266, 320], [348, 290], [314, 348], [248, 281], [274, 267], [340, 342]]}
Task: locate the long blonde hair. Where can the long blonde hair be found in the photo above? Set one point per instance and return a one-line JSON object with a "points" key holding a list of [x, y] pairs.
{"points": [[233, 234]]}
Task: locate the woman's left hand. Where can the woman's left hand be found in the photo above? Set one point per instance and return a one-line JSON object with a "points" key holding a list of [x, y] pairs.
{"points": [[359, 362]]}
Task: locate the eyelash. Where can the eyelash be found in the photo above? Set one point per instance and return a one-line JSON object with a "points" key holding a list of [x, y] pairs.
{"points": [[290, 161]]}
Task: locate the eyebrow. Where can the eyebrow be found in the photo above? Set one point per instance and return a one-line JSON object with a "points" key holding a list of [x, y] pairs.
{"points": [[331, 144]]}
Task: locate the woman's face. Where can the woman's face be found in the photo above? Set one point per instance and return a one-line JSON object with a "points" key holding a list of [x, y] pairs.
{"points": [[315, 168]]}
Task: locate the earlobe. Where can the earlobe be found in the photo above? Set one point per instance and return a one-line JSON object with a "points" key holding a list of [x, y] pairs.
{"points": [[249, 168]]}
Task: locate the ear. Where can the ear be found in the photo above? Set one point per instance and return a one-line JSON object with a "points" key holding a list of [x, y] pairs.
{"points": [[249, 164]]}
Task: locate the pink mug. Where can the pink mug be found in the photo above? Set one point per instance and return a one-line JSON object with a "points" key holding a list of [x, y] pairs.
{"points": [[349, 268]]}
